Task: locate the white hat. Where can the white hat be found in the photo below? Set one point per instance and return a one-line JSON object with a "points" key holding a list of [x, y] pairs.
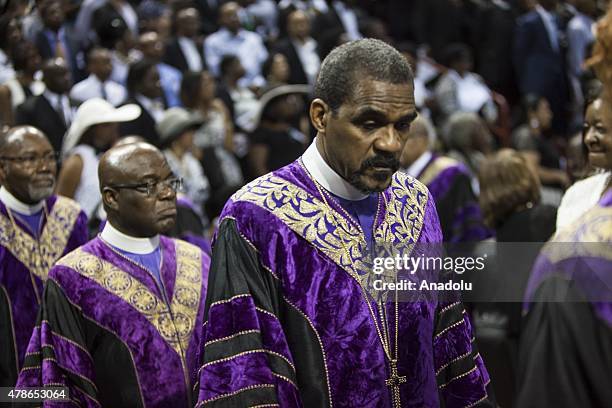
{"points": [[274, 93], [93, 112]]}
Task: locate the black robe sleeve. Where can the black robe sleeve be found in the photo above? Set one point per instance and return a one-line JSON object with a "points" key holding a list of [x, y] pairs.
{"points": [[67, 349], [565, 355], [245, 353]]}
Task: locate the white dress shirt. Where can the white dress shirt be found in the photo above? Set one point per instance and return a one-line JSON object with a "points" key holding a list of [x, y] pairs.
{"points": [[154, 107], [91, 87], [190, 51], [349, 20], [307, 53], [60, 103], [327, 177], [246, 45]]}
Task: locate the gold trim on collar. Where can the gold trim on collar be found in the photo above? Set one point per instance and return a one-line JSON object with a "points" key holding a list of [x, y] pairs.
{"points": [[310, 218], [39, 256], [439, 164], [176, 325]]}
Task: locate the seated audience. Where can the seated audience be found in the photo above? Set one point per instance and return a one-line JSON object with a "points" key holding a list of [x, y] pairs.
{"points": [[234, 40], [176, 131], [14, 91], [94, 130], [276, 141], [98, 84], [533, 139]]}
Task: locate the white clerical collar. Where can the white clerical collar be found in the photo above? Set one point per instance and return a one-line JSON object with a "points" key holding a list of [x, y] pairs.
{"points": [[14, 204], [327, 177], [134, 245], [417, 167]]}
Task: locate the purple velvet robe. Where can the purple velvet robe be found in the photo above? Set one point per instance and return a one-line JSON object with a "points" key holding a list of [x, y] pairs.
{"points": [[287, 321], [566, 344], [23, 271], [460, 216], [107, 333]]}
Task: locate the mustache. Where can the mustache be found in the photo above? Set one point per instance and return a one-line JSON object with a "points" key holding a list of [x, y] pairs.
{"points": [[381, 160]]}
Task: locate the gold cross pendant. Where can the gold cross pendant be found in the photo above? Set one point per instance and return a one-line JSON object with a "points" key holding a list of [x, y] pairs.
{"points": [[394, 382]]}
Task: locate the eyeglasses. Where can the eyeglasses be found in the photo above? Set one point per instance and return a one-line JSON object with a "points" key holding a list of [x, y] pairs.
{"points": [[153, 187], [32, 160]]}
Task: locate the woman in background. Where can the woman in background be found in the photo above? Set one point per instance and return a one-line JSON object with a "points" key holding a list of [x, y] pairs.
{"points": [[533, 140], [94, 130], [566, 346], [26, 63], [585, 194]]}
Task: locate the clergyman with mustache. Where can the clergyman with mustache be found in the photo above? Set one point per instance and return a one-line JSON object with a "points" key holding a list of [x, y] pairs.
{"points": [[289, 320], [36, 229]]}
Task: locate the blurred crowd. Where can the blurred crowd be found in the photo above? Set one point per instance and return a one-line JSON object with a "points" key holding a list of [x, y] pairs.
{"points": [[508, 106], [222, 87]]}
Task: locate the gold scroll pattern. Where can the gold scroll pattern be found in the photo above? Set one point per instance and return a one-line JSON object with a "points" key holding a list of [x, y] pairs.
{"points": [[327, 230], [40, 255], [175, 325]]}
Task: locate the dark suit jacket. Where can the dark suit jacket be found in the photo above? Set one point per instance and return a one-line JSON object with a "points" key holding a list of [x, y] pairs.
{"points": [[144, 125], [175, 57], [538, 65], [296, 70], [38, 112], [72, 58], [540, 68]]}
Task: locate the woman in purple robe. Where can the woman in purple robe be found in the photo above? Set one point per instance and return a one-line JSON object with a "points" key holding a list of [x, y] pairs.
{"points": [[566, 345]]}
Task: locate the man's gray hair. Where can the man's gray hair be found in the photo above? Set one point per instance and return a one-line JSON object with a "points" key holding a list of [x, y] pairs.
{"points": [[367, 58], [460, 129]]}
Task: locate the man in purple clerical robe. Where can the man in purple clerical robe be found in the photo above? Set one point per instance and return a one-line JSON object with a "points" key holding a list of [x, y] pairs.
{"points": [[122, 315], [36, 229], [450, 184], [289, 322]]}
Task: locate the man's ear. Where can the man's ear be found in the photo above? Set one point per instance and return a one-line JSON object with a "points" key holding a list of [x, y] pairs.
{"points": [[109, 198], [319, 115]]}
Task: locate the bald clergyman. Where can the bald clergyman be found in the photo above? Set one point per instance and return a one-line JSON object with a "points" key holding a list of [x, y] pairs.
{"points": [[36, 229], [122, 315]]}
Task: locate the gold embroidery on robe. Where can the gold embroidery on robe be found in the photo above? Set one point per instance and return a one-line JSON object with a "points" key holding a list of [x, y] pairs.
{"points": [[326, 229], [434, 169], [185, 301], [39, 256]]}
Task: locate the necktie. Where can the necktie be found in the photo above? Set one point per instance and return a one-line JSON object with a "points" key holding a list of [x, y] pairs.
{"points": [[60, 110], [103, 91], [59, 48]]}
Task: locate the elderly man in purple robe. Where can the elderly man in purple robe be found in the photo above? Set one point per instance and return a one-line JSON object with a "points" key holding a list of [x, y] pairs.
{"points": [[122, 315], [448, 181], [36, 229], [291, 317]]}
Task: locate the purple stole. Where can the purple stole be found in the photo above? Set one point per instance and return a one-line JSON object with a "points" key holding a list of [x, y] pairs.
{"points": [[460, 215], [124, 299], [284, 219], [24, 269]]}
